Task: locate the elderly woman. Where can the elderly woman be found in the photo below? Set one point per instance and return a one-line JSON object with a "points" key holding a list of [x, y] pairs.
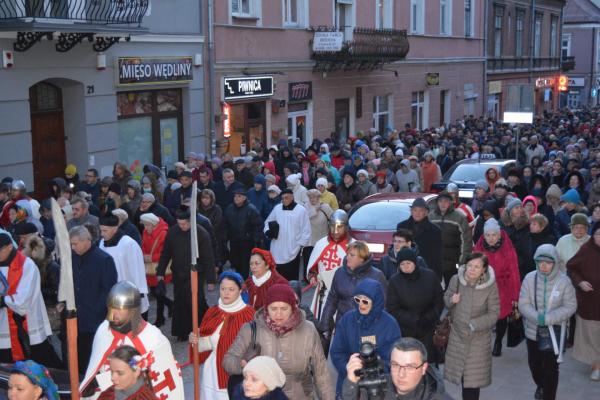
{"points": [[584, 272], [283, 333], [214, 341], [357, 265], [263, 275], [129, 377], [31, 381], [319, 214], [502, 257], [547, 301], [472, 298], [153, 240], [263, 380], [367, 320]]}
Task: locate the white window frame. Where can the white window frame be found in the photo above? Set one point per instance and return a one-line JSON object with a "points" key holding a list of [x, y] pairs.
{"points": [[470, 19], [553, 35], [519, 29], [301, 13], [377, 112], [240, 13], [417, 17], [349, 9], [565, 37], [446, 17], [537, 35], [385, 21], [422, 105], [498, 31]]}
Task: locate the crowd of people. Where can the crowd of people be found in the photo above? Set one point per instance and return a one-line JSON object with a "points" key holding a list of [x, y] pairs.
{"points": [[523, 250]]}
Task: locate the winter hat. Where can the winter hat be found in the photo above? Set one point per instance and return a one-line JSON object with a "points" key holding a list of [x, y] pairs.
{"points": [[240, 191], [428, 154], [270, 177], [313, 192], [106, 181], [186, 173], [546, 252], [322, 182], [491, 225], [134, 184], [399, 153], [571, 196], [267, 370], [25, 228], [482, 184], [148, 197], [109, 220], [274, 188], [452, 188], [232, 275], [419, 202], [405, 163], [192, 155], [281, 292], [406, 254], [294, 179], [554, 191], [115, 188], [120, 213], [579, 219], [259, 178], [501, 183], [71, 170], [179, 164], [348, 171], [444, 194], [512, 204], [172, 174], [363, 172], [149, 218], [5, 239]]}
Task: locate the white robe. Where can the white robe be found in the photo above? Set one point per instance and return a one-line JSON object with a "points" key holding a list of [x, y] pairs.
{"points": [[294, 232], [27, 301], [164, 369], [129, 261]]}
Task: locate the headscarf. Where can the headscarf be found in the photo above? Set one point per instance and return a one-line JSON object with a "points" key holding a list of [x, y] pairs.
{"points": [[267, 256], [38, 375]]}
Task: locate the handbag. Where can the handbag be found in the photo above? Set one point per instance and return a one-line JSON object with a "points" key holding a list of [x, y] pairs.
{"points": [[516, 330], [441, 334], [151, 266], [252, 351], [542, 335]]}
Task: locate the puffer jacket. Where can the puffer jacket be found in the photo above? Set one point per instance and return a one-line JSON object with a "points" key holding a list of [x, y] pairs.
{"points": [[457, 237], [243, 224], [299, 353], [345, 280], [468, 355], [555, 290]]}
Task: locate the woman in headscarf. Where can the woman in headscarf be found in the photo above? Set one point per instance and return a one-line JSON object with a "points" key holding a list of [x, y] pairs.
{"points": [[263, 275], [31, 381], [218, 330]]}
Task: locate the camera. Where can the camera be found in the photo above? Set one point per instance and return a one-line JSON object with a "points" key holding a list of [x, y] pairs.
{"points": [[372, 375]]}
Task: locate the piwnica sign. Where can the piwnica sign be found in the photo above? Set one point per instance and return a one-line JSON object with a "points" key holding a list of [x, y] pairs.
{"points": [[247, 87], [153, 70]]}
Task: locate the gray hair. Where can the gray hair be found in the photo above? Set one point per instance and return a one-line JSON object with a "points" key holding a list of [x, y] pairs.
{"points": [[82, 201], [80, 232], [411, 344], [228, 171]]}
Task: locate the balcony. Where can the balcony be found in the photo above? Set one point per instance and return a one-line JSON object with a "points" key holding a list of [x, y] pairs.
{"points": [[520, 64], [364, 49], [567, 64]]}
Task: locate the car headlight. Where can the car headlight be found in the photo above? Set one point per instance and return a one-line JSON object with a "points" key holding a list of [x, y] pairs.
{"points": [[376, 247]]}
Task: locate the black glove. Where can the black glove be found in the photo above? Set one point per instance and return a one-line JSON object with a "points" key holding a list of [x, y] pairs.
{"points": [[2, 303], [161, 289]]}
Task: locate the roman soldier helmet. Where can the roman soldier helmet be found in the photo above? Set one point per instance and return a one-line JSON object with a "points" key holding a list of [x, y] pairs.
{"points": [[338, 225], [18, 184], [339, 217], [124, 295]]}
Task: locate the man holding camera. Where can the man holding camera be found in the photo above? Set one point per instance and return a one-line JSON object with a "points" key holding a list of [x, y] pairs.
{"points": [[410, 376]]}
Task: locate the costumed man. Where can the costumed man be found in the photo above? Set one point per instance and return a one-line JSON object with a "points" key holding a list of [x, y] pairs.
{"points": [[327, 256], [24, 324], [467, 211], [127, 255], [177, 250], [18, 191], [124, 326]]}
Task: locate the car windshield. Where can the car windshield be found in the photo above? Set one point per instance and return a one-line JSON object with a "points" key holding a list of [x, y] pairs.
{"points": [[381, 216], [467, 172]]}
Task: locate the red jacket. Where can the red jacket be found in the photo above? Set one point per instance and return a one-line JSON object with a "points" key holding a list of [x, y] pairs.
{"points": [[148, 239], [144, 393]]}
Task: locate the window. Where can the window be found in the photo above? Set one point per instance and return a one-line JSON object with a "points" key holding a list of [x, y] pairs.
{"points": [[445, 17], [290, 12], [519, 24], [381, 113], [498, 22], [418, 110], [565, 45], [241, 8], [445, 101], [469, 99], [345, 18], [553, 35], [384, 12], [537, 35], [469, 18], [417, 17]]}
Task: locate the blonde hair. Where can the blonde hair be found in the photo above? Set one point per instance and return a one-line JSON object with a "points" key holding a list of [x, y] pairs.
{"points": [[361, 248]]}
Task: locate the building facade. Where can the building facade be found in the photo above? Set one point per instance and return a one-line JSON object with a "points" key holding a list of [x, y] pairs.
{"points": [[582, 27], [299, 70], [523, 51], [91, 85]]}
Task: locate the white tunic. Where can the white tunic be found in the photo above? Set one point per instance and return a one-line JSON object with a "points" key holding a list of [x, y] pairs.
{"points": [[129, 261], [294, 232], [27, 301]]}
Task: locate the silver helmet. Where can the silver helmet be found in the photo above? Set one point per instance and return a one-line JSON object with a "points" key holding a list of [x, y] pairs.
{"points": [[339, 217], [18, 184], [124, 295]]}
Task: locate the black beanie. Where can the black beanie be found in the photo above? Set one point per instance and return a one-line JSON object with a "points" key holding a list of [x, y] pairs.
{"points": [[406, 254]]}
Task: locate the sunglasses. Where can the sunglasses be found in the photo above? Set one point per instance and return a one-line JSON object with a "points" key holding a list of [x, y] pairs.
{"points": [[364, 302]]}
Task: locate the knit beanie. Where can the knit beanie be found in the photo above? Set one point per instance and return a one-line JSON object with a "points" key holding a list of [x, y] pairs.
{"points": [[71, 170], [148, 197], [149, 218], [267, 370], [491, 225], [274, 188], [363, 172], [554, 191], [281, 292], [571, 196], [406, 254], [115, 188], [482, 184], [512, 204], [293, 179], [322, 182], [579, 219]]}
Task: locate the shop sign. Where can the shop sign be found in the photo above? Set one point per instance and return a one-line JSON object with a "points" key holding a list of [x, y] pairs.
{"points": [[247, 87], [153, 70], [544, 82], [300, 91], [576, 82], [494, 87], [432, 79], [328, 41]]}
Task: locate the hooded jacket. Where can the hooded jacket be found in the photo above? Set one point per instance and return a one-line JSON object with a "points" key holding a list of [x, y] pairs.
{"points": [[555, 295], [259, 198], [457, 236], [354, 328]]}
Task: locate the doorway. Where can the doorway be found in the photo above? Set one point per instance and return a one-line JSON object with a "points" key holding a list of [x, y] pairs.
{"points": [[342, 120], [47, 135], [248, 127]]}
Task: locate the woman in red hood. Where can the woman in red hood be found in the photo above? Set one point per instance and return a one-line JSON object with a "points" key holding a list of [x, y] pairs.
{"points": [[263, 275], [530, 204], [491, 177], [269, 168]]}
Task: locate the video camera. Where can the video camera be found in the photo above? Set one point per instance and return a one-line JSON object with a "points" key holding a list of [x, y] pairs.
{"points": [[372, 375]]}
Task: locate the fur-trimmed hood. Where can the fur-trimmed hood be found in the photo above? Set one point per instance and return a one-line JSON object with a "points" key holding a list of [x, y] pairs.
{"points": [[35, 249], [486, 280]]}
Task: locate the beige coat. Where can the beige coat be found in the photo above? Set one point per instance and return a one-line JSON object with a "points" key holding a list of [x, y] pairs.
{"points": [[469, 352], [298, 353]]}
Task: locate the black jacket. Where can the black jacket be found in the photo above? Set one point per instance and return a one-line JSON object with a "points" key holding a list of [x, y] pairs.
{"points": [[243, 224], [457, 237], [130, 230], [157, 209], [224, 195], [546, 236], [521, 239], [389, 264], [348, 195], [428, 238]]}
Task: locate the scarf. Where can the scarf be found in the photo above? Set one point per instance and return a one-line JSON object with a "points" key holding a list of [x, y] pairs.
{"points": [[128, 393], [288, 326], [259, 281], [494, 248]]}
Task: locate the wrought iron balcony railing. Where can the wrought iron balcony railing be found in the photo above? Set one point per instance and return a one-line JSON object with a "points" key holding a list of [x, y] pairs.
{"points": [[508, 64], [86, 11], [568, 63]]}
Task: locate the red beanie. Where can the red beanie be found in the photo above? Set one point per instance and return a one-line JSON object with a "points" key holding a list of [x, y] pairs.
{"points": [[281, 292]]}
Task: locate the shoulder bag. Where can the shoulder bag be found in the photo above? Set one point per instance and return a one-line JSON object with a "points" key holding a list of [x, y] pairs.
{"points": [[252, 351]]}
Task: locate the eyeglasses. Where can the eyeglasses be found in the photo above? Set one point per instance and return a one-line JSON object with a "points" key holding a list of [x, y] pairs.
{"points": [[358, 300], [409, 369], [90, 176]]}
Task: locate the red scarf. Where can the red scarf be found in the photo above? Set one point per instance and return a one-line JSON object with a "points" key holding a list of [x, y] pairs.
{"points": [[15, 272], [314, 269], [232, 323], [292, 323], [258, 294]]}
